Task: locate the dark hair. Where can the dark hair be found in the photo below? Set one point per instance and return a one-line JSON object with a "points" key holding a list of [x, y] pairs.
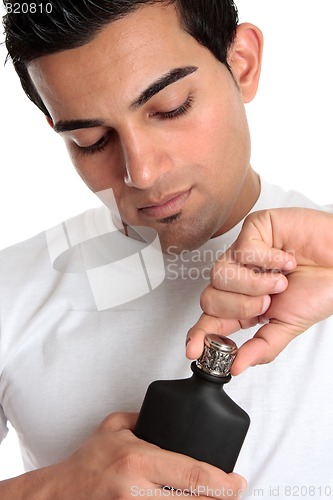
{"points": [[56, 25]]}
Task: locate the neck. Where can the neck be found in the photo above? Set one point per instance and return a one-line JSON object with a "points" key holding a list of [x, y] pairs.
{"points": [[246, 199]]}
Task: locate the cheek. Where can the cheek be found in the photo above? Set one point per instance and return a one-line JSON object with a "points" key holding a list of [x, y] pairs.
{"points": [[230, 134], [219, 144], [217, 136]]}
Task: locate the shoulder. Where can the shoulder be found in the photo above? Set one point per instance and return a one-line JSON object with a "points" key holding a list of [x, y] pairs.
{"points": [[34, 255], [20, 256], [273, 196]]}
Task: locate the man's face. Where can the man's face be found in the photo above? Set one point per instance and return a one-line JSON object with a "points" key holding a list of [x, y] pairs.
{"points": [[146, 110]]}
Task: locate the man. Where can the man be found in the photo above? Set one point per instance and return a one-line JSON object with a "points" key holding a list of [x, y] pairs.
{"points": [[151, 106]]}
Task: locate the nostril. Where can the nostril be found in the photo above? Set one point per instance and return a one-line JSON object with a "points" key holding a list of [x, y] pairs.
{"points": [[127, 179], [141, 177]]}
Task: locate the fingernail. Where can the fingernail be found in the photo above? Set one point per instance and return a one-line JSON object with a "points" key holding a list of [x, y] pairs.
{"points": [[279, 286], [266, 304], [289, 266]]}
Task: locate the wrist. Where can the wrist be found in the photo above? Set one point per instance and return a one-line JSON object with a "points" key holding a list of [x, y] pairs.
{"points": [[34, 485]]}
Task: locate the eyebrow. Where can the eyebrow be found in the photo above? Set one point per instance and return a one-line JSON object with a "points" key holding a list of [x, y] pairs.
{"points": [[170, 77], [164, 81], [68, 125]]}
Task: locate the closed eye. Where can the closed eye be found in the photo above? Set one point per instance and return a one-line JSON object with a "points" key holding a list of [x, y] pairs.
{"points": [[98, 147], [175, 113]]}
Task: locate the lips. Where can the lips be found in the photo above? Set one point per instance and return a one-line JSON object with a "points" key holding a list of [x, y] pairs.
{"points": [[168, 206]]}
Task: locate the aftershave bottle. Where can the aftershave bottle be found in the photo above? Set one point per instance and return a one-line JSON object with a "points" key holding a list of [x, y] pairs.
{"points": [[194, 416]]}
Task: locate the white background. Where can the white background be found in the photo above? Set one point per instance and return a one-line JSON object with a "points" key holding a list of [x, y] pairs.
{"points": [[290, 121]]}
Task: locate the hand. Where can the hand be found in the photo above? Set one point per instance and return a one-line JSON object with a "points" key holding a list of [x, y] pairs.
{"points": [[113, 463], [278, 272]]}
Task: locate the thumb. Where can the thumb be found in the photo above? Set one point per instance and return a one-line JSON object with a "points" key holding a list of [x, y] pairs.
{"points": [[263, 348]]}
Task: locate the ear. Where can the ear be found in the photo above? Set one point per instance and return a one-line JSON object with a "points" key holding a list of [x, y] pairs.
{"points": [[49, 121], [244, 59]]}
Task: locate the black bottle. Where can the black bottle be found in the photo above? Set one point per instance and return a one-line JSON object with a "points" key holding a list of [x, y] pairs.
{"points": [[194, 416]]}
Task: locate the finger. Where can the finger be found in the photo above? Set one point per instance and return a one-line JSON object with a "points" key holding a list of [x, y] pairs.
{"points": [[183, 473], [209, 324], [232, 305], [263, 348], [233, 277], [173, 492], [167, 492], [251, 251]]}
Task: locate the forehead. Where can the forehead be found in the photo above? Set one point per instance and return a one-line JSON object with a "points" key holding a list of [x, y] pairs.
{"points": [[125, 57]]}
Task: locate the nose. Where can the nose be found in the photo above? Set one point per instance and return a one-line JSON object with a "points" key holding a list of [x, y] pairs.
{"points": [[146, 158]]}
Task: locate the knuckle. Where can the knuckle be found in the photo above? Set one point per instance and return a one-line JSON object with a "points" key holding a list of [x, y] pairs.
{"points": [[111, 422], [131, 463], [247, 308], [206, 301], [194, 477]]}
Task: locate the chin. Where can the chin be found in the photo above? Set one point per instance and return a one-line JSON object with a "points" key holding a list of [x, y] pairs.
{"points": [[181, 233]]}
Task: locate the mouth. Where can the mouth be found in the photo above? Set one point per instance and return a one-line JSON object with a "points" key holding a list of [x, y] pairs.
{"points": [[168, 206]]}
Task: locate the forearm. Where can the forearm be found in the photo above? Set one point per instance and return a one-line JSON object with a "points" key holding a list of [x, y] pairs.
{"points": [[34, 485]]}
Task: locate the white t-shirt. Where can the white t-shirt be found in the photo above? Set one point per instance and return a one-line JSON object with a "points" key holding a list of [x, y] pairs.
{"points": [[65, 365]]}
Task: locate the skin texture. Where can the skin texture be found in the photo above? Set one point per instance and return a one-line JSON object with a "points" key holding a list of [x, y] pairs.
{"points": [[148, 157], [293, 251]]}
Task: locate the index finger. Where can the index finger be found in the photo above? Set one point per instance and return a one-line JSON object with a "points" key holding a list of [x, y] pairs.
{"points": [[184, 473], [210, 324], [254, 252]]}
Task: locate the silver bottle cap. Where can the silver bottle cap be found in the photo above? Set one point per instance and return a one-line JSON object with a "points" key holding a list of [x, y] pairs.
{"points": [[218, 355]]}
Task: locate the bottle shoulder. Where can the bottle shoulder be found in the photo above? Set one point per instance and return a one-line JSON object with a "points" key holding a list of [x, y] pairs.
{"points": [[194, 391]]}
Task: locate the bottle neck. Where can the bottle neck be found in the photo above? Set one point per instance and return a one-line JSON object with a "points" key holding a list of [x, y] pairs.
{"points": [[209, 378]]}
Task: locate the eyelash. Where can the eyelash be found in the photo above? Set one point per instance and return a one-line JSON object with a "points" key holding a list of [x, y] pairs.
{"points": [[100, 145], [175, 113]]}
